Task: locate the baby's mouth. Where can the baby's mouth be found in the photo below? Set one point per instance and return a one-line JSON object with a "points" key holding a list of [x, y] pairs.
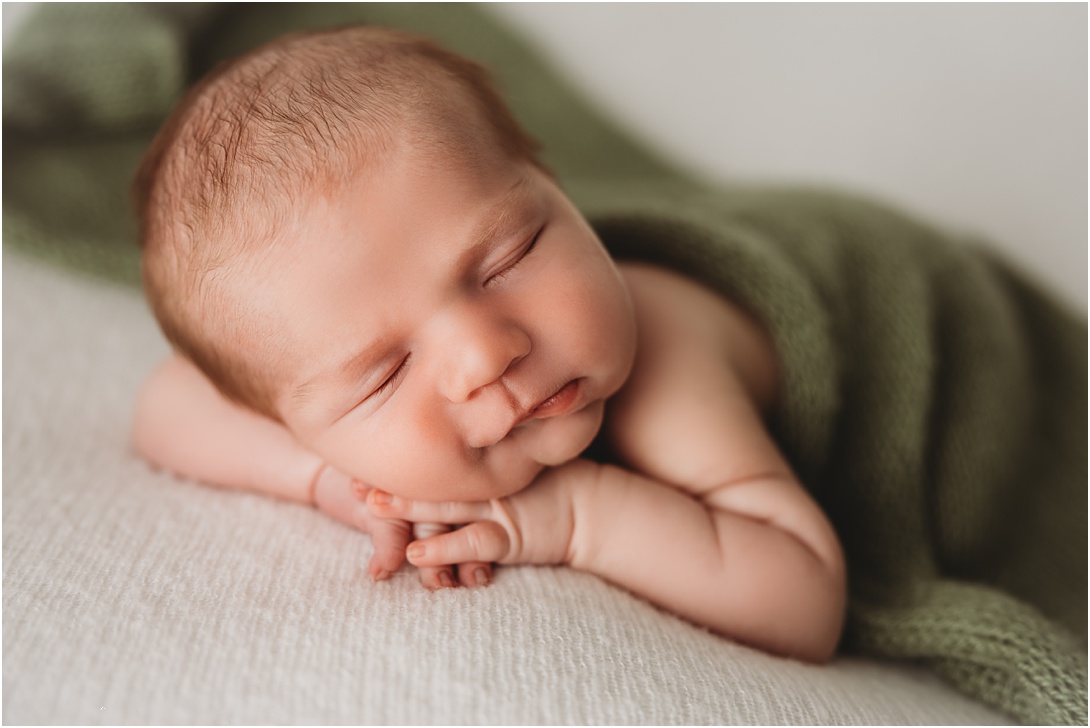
{"points": [[564, 400], [558, 403]]}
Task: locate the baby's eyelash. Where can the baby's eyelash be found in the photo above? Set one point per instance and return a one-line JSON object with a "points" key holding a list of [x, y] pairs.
{"points": [[497, 277], [395, 375]]}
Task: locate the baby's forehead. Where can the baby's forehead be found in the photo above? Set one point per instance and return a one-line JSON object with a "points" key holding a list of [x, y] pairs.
{"points": [[507, 193]]}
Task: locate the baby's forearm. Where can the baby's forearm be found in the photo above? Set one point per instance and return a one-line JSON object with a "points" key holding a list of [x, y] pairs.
{"points": [[183, 424], [742, 577]]}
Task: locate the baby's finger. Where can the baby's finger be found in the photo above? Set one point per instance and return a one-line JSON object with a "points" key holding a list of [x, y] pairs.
{"points": [[434, 577], [475, 573], [437, 577], [427, 530], [389, 537], [483, 541], [386, 505]]}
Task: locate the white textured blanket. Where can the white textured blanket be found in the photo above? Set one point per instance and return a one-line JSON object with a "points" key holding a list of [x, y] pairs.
{"points": [[133, 597]]}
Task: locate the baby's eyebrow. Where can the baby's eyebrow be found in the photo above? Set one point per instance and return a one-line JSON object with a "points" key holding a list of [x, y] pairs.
{"points": [[351, 367], [498, 218]]}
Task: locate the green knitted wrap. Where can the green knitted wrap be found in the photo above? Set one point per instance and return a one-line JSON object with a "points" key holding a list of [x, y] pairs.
{"points": [[934, 400]]}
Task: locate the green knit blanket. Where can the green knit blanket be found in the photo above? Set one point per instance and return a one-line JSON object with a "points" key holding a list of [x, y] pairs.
{"points": [[934, 400]]}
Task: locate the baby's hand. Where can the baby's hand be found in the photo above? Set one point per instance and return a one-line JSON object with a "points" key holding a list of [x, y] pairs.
{"points": [[533, 526], [467, 573], [344, 498]]}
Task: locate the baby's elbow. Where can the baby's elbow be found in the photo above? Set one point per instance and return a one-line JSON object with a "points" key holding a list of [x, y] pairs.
{"points": [[143, 432], [802, 610], [151, 413], [823, 615], [797, 614], [825, 638], [823, 608]]}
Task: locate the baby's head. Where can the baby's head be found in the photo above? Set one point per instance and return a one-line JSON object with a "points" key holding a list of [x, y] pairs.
{"points": [[248, 147], [348, 232]]}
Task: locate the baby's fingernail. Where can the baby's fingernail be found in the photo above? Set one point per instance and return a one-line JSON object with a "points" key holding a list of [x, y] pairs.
{"points": [[381, 576], [446, 579], [415, 550], [360, 489], [482, 576], [381, 498]]}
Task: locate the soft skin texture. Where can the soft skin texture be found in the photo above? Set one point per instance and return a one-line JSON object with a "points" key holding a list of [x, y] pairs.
{"points": [[434, 310]]}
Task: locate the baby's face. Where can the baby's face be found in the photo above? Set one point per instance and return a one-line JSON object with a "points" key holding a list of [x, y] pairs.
{"points": [[453, 331]]}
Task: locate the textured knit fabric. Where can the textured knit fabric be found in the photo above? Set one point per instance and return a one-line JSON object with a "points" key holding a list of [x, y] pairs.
{"points": [[933, 401]]}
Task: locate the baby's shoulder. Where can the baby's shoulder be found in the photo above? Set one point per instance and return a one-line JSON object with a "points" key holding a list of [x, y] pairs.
{"points": [[685, 327], [705, 372]]}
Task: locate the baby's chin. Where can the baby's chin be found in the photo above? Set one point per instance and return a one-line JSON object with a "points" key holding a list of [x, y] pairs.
{"points": [[517, 479], [504, 490], [561, 445], [515, 462]]}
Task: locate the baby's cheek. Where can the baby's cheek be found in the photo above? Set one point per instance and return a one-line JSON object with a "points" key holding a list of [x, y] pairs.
{"points": [[567, 439], [601, 311], [417, 473]]}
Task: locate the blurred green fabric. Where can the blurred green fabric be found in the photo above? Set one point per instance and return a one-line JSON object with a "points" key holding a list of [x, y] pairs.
{"points": [[933, 400]]}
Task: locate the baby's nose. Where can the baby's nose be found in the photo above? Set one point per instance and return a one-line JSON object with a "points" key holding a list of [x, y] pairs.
{"points": [[481, 353]]}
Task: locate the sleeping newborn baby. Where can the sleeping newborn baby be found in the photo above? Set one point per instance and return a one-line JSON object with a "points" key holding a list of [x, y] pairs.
{"points": [[381, 303]]}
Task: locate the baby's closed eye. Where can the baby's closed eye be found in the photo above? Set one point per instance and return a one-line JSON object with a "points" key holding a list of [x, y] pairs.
{"points": [[393, 378], [510, 264]]}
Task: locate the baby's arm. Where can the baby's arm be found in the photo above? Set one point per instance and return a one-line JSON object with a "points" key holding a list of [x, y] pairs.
{"points": [[726, 535], [755, 560], [184, 425]]}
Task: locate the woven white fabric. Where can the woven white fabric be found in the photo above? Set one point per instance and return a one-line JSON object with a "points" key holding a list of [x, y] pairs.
{"points": [[133, 597]]}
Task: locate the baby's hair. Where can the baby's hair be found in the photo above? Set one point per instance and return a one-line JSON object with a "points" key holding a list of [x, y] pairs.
{"points": [[300, 115]]}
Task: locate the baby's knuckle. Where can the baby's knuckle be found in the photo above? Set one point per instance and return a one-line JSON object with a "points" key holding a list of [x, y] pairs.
{"points": [[476, 541], [486, 541], [505, 535]]}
